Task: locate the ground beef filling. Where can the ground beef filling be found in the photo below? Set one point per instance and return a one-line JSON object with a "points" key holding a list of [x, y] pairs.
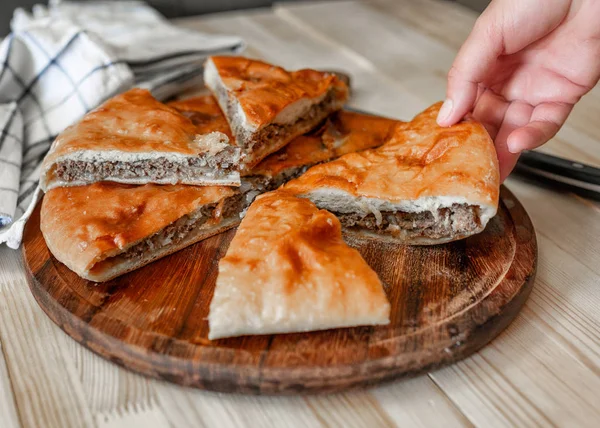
{"points": [[254, 185], [288, 175], [263, 183], [459, 219], [276, 131], [261, 141], [177, 231], [233, 206], [161, 168]]}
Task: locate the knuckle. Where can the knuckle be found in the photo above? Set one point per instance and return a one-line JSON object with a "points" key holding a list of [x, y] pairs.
{"points": [[453, 73]]}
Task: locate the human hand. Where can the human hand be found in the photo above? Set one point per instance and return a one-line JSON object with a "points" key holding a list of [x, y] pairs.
{"points": [[521, 70]]}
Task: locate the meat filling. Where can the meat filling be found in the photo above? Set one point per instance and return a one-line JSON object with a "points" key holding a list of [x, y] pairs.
{"points": [[262, 140], [279, 131], [217, 166], [254, 185], [459, 219], [177, 231]]}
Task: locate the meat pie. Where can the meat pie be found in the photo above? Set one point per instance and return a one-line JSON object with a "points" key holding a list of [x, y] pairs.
{"points": [[133, 138], [426, 185], [288, 270], [106, 229], [267, 106]]}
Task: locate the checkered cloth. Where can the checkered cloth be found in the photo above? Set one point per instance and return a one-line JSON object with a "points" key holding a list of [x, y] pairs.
{"points": [[62, 61]]}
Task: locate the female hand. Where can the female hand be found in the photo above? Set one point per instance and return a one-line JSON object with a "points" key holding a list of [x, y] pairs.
{"points": [[521, 70]]}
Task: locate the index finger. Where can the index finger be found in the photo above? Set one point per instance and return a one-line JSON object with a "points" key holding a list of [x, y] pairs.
{"points": [[476, 56]]}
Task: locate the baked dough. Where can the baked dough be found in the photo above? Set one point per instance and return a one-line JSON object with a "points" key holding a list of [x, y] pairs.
{"points": [[426, 185], [288, 270], [267, 106], [343, 132], [106, 229], [205, 114], [133, 138]]}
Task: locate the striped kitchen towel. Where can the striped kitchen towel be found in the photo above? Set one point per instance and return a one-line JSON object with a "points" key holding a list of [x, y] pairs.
{"points": [[63, 60]]}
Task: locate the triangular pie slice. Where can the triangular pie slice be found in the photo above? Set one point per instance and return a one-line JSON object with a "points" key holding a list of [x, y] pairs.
{"points": [[288, 270], [426, 185], [106, 229], [133, 138], [267, 106]]}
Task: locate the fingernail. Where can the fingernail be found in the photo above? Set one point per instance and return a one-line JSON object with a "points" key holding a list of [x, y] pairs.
{"points": [[445, 111], [512, 145]]}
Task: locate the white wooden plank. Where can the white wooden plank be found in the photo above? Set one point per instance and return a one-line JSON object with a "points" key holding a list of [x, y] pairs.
{"points": [[484, 396], [544, 369], [369, 33], [44, 378], [417, 403], [352, 410], [447, 22], [8, 407], [565, 304], [149, 415], [191, 408], [523, 379], [109, 388]]}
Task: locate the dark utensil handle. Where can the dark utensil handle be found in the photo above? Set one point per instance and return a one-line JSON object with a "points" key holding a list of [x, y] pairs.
{"points": [[560, 167], [560, 173]]}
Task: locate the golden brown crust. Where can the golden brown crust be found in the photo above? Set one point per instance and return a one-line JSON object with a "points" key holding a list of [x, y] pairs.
{"points": [[84, 225], [134, 129], [264, 90], [288, 269], [131, 122], [343, 132], [420, 160], [205, 114]]}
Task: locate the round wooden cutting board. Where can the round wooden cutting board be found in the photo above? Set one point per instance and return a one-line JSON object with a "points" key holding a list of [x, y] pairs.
{"points": [[447, 302]]}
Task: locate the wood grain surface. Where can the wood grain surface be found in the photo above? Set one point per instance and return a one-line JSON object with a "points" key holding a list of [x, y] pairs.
{"points": [[447, 302], [543, 370]]}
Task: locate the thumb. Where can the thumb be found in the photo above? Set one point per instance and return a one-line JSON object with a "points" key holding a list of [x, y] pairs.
{"points": [[476, 58]]}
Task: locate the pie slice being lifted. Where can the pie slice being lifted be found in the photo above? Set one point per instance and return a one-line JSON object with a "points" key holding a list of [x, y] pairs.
{"points": [[288, 270], [426, 185], [267, 106], [106, 229], [133, 138]]}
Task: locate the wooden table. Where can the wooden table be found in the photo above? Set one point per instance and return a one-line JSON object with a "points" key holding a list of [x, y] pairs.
{"points": [[543, 370]]}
